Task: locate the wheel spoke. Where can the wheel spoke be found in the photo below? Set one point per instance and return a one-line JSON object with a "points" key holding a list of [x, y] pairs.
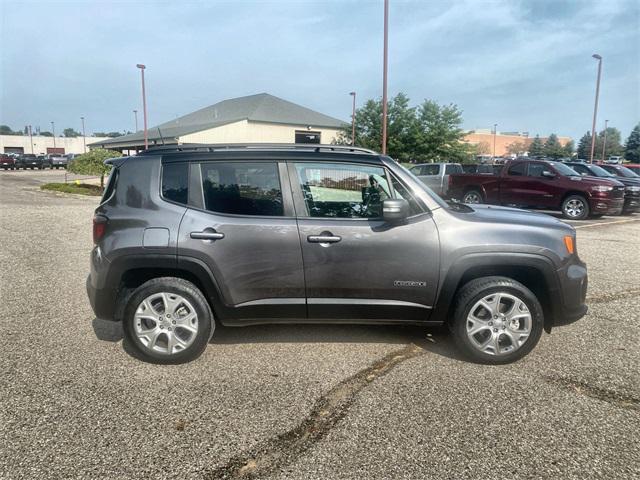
{"points": [[152, 337]]}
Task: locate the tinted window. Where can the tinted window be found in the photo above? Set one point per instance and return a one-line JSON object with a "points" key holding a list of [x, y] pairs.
{"points": [[343, 191], [517, 169], [563, 169], [537, 169], [581, 169], [453, 168], [175, 182], [242, 188]]}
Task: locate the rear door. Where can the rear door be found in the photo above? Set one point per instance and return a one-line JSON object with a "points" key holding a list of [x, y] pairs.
{"points": [[241, 225], [356, 265]]}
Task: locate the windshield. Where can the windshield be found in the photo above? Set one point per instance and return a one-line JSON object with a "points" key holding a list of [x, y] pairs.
{"points": [[562, 169], [433, 194], [625, 172], [600, 172]]}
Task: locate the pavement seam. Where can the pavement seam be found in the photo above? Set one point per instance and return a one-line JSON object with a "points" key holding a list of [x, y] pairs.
{"points": [[620, 400], [327, 412], [605, 223]]}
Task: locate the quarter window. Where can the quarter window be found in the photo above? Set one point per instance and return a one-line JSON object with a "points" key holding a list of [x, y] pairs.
{"points": [[175, 182], [242, 188], [343, 191]]}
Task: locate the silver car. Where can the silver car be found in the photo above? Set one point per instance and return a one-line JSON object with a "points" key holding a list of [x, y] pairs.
{"points": [[436, 175]]}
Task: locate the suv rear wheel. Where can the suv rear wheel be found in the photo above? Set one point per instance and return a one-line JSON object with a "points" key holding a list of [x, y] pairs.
{"points": [[497, 320], [472, 196], [168, 320]]}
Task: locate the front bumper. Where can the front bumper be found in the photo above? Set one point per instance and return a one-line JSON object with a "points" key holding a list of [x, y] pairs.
{"points": [[607, 206], [574, 282], [631, 204]]}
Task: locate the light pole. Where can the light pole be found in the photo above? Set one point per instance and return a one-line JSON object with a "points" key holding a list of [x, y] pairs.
{"points": [[595, 107], [384, 77], [495, 132], [53, 130], [353, 119], [144, 106], [31, 139], [135, 114], [84, 136], [604, 143]]}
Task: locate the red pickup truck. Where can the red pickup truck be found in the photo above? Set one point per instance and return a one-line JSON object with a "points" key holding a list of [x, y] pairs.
{"points": [[541, 184]]}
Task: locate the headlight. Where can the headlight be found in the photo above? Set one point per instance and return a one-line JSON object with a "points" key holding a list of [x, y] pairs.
{"points": [[601, 188], [633, 189]]}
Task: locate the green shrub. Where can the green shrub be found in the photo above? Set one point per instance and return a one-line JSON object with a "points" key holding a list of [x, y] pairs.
{"points": [[92, 163]]}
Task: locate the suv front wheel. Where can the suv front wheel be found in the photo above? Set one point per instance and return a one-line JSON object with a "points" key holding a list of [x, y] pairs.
{"points": [[497, 320], [168, 320]]}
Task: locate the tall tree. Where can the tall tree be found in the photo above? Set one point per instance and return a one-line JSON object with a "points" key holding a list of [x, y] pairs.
{"points": [[440, 133], [70, 133], [569, 147], [536, 148], [584, 146], [632, 145], [552, 147], [516, 148], [6, 130], [614, 143]]}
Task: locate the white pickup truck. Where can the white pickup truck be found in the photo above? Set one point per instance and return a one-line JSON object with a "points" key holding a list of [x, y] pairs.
{"points": [[436, 175]]}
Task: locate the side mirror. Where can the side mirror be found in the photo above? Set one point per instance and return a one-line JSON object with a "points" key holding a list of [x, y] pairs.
{"points": [[395, 209], [548, 174]]}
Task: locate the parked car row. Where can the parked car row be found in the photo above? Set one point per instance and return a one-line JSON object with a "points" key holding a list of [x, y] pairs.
{"points": [[578, 190], [26, 161]]}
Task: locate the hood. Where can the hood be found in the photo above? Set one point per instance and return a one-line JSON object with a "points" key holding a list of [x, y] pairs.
{"points": [[512, 216], [592, 181]]}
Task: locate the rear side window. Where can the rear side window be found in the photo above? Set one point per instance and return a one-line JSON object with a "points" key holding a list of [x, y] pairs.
{"points": [[242, 188], [453, 168], [518, 169], [175, 182], [111, 185], [430, 169]]}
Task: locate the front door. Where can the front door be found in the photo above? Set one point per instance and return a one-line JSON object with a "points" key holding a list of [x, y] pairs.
{"points": [[247, 236], [356, 265]]}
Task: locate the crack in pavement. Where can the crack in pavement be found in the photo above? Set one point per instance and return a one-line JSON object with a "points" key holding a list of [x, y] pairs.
{"points": [[609, 297], [326, 413], [617, 399]]}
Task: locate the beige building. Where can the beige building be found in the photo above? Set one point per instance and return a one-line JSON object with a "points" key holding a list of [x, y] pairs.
{"points": [[504, 144], [40, 145], [260, 118]]}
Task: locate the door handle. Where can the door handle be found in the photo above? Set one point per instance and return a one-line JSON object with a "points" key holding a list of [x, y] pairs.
{"points": [[323, 238], [207, 235]]}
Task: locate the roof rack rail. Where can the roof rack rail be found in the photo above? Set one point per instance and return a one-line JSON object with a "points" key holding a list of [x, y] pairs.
{"points": [[198, 147]]}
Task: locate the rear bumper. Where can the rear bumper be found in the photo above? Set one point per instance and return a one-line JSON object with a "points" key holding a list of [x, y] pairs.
{"points": [[102, 300], [607, 206]]}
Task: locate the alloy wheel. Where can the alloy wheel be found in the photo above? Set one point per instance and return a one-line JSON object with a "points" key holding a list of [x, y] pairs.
{"points": [[472, 197], [574, 208], [166, 323], [499, 324]]}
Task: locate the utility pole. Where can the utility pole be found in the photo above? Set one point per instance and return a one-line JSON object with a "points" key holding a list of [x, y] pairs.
{"points": [[53, 130], [353, 119], [135, 114], [495, 132], [84, 136], [604, 143], [31, 138], [384, 77], [144, 106], [595, 108]]}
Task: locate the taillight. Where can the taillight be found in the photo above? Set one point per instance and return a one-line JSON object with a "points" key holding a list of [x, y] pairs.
{"points": [[99, 227]]}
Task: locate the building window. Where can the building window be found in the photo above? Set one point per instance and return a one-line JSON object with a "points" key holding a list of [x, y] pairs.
{"points": [[303, 136]]}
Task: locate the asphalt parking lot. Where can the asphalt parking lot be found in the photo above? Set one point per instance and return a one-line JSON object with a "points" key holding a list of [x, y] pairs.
{"points": [[294, 402]]}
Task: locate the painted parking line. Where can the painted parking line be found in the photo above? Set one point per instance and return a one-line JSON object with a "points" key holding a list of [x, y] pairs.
{"points": [[603, 224]]}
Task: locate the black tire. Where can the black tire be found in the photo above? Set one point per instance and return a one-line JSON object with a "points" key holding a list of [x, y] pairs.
{"points": [[595, 216], [476, 290], [472, 197], [192, 294], [575, 207]]}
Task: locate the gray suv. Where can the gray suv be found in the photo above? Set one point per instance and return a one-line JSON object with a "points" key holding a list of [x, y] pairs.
{"points": [[193, 236]]}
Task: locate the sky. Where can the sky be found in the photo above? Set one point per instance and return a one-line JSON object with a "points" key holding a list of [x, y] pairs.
{"points": [[524, 65]]}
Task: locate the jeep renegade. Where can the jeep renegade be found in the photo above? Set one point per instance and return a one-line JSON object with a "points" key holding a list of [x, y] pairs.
{"points": [[193, 236]]}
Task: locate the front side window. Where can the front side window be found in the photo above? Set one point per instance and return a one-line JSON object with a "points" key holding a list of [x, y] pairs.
{"points": [[517, 169], [343, 190], [538, 169], [242, 188], [175, 182]]}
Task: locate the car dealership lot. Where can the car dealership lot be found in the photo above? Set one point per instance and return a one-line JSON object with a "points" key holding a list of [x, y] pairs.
{"points": [[302, 402]]}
